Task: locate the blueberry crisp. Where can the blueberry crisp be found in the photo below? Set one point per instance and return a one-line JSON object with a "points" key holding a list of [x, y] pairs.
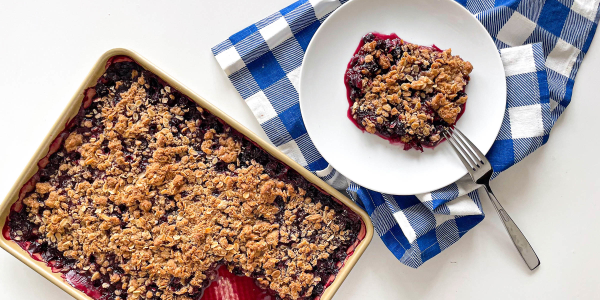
{"points": [[146, 194], [404, 92]]}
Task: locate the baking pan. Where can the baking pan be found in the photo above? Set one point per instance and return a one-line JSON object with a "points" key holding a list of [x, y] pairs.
{"points": [[19, 189]]}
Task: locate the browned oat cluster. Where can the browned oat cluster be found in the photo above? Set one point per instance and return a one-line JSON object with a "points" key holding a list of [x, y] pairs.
{"points": [[406, 92], [150, 193]]}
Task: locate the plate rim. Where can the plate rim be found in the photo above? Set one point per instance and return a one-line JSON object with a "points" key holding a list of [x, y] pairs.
{"points": [[309, 50]]}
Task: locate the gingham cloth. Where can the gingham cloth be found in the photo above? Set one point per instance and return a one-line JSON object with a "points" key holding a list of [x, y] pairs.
{"points": [[542, 44]]}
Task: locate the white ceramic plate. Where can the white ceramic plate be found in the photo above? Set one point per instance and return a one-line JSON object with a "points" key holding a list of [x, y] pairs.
{"points": [[366, 158]]}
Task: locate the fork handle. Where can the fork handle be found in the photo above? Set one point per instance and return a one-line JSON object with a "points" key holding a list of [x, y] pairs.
{"points": [[515, 233]]}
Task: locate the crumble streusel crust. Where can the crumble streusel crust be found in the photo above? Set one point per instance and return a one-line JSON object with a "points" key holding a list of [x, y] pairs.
{"points": [[405, 91], [151, 193]]}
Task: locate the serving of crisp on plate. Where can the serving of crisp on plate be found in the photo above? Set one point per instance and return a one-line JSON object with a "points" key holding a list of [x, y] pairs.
{"points": [[366, 158]]}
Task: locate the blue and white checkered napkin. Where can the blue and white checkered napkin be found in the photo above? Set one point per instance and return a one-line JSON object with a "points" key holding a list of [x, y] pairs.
{"points": [[542, 44]]}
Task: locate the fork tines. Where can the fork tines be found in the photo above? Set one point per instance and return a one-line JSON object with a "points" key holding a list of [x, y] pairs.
{"points": [[471, 157]]}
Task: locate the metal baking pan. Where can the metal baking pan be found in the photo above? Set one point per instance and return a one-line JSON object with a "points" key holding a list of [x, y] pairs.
{"points": [[19, 188]]}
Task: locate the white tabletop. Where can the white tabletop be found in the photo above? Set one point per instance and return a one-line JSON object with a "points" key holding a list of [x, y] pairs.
{"points": [[48, 48]]}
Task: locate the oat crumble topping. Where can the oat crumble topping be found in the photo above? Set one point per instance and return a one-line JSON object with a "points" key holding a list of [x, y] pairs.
{"points": [[405, 92], [150, 194]]}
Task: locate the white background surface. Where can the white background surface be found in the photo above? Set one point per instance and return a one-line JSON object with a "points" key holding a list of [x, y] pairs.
{"points": [[47, 48]]}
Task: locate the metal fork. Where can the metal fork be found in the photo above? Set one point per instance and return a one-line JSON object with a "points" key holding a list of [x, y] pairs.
{"points": [[481, 171]]}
